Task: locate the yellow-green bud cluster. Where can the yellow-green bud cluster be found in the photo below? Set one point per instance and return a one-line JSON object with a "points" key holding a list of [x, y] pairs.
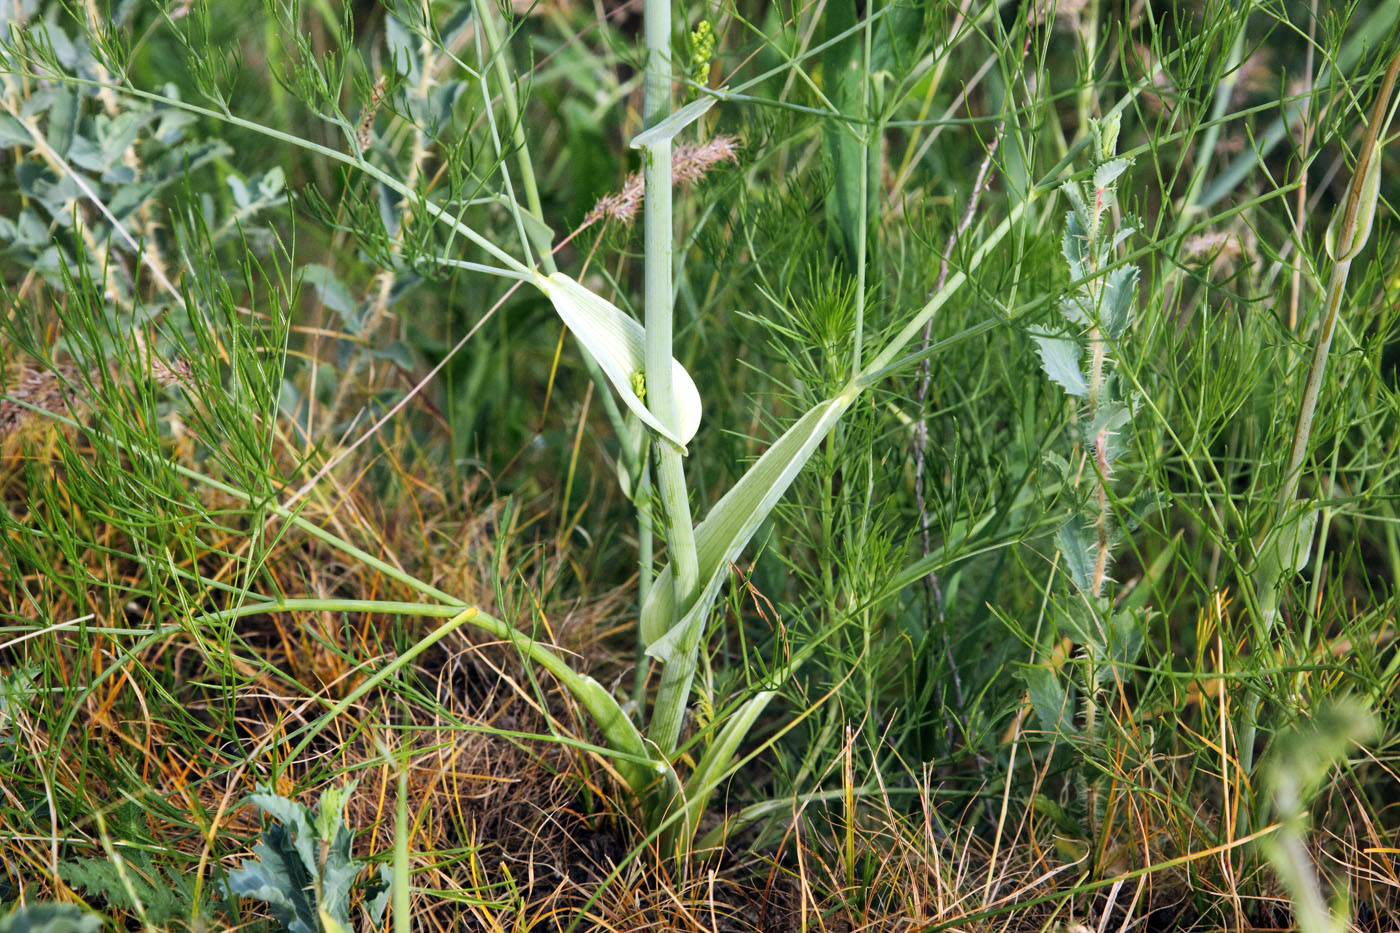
{"points": [[702, 52]]}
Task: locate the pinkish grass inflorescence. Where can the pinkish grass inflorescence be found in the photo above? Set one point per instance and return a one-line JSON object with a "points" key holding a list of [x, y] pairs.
{"points": [[689, 164]]}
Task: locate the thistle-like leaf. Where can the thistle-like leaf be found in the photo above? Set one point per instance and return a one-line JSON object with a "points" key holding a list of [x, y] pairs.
{"points": [[298, 822], [1075, 244], [1076, 542], [1078, 307], [1049, 698], [1107, 173], [1079, 208], [1120, 295], [1059, 357], [279, 878], [51, 918], [1126, 636]]}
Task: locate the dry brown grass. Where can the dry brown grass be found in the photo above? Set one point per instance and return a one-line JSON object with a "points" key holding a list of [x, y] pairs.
{"points": [[513, 828]]}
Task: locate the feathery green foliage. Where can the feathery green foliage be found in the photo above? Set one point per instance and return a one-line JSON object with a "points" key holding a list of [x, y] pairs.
{"points": [[936, 475]]}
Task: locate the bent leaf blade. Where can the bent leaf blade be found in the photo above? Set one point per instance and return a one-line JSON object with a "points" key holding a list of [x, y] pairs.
{"points": [[618, 343], [732, 522]]}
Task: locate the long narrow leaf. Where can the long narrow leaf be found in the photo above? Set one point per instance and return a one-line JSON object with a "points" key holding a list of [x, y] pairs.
{"points": [[670, 127], [726, 531]]}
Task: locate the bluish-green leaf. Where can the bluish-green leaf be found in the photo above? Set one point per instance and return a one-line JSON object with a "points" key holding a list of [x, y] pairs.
{"points": [[1107, 173], [668, 127], [1126, 636], [300, 827], [1078, 208], [1049, 696], [334, 294], [280, 878], [51, 918], [1059, 358], [1075, 245], [63, 120], [617, 343], [13, 133], [403, 47], [1078, 307], [1077, 543], [1120, 297]]}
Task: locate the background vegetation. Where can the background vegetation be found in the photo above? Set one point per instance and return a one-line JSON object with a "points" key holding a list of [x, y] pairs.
{"points": [[1077, 618]]}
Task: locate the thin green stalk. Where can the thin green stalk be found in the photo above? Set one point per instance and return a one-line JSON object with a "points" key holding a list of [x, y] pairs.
{"points": [[1346, 237], [634, 758], [1351, 234], [621, 736], [403, 917], [863, 207], [1089, 84], [500, 56], [1205, 152], [1371, 32], [645, 574], [885, 360]]}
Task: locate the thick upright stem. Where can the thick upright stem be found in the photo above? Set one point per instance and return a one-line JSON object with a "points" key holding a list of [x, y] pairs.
{"points": [[680, 534]]}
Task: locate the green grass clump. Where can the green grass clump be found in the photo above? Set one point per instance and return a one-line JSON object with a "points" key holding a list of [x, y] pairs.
{"points": [[964, 500]]}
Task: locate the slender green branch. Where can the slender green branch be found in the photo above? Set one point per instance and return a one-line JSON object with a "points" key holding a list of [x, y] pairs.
{"points": [[336, 155], [500, 56], [1279, 538]]}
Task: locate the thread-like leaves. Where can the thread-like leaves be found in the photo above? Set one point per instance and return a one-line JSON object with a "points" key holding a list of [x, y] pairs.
{"points": [[618, 343]]}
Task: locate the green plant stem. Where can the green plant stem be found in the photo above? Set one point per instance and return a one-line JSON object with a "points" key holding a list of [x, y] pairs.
{"points": [[403, 917], [610, 718], [1351, 233], [873, 370], [1205, 152], [605, 711], [676, 677], [1370, 34], [500, 57], [1089, 84], [645, 575]]}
